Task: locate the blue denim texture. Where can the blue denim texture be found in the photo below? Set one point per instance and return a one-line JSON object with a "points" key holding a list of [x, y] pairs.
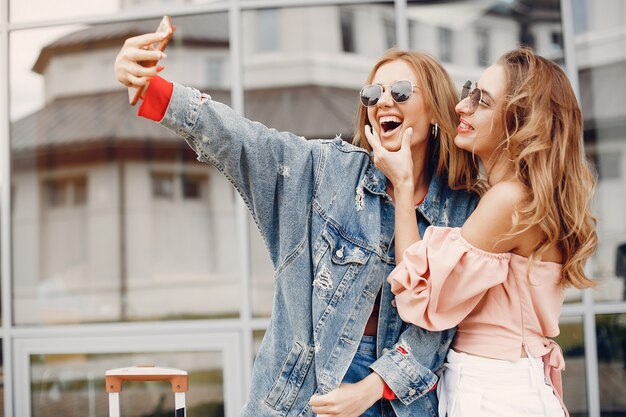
{"points": [[328, 223], [360, 368]]}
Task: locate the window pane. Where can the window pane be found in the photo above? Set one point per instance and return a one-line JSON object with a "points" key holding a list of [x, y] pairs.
{"points": [[35, 10], [470, 35], [268, 30], [262, 274], [611, 340], [309, 85], [390, 31], [591, 17], [445, 44], [163, 186], [72, 385], [114, 219], [38, 10], [571, 341], [602, 95], [348, 43], [483, 46], [257, 338], [194, 187], [1, 379]]}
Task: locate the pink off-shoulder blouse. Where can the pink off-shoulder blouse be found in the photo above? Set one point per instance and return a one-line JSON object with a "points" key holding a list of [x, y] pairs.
{"points": [[444, 281]]}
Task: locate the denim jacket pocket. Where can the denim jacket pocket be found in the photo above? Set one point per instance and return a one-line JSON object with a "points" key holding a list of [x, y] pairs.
{"points": [[338, 262], [290, 379]]}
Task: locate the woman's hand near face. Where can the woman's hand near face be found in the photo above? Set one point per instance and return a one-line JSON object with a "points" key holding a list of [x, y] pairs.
{"points": [[349, 400], [128, 69], [397, 166]]}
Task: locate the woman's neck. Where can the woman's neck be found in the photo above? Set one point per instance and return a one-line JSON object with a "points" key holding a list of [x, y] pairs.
{"points": [[421, 178], [501, 169]]}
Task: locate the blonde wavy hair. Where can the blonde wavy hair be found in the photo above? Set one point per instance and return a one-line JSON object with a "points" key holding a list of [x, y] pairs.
{"points": [[543, 138], [441, 96]]}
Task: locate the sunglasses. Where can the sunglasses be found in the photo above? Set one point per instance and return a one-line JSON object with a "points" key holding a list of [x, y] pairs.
{"points": [[475, 97], [400, 90]]}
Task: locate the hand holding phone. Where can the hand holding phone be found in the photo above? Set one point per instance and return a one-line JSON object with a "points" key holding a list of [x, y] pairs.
{"points": [[165, 27]]}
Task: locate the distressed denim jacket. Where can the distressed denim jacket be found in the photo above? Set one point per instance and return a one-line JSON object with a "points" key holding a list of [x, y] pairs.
{"points": [[328, 224]]}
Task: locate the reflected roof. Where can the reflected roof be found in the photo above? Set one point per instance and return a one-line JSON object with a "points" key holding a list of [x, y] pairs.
{"points": [[313, 112], [203, 29]]}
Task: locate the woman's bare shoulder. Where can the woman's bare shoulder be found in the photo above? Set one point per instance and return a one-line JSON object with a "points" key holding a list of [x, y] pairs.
{"points": [[506, 193], [494, 217]]}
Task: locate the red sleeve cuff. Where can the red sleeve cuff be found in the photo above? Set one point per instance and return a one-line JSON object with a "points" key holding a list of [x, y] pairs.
{"points": [[156, 99], [388, 394]]}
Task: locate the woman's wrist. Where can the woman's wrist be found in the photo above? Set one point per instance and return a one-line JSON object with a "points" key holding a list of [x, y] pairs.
{"points": [[404, 189], [404, 196], [374, 385], [404, 185]]}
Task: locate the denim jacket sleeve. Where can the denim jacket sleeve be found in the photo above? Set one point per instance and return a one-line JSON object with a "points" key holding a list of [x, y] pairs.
{"points": [[408, 376], [273, 171]]}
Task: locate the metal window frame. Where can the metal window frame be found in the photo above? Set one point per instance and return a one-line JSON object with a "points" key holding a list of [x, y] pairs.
{"points": [[5, 212], [588, 306], [235, 335], [18, 342], [227, 343]]}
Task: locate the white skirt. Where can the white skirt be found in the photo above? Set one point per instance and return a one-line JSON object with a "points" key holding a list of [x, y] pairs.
{"points": [[472, 386]]}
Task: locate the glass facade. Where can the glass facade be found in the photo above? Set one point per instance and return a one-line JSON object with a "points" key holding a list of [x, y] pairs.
{"points": [[572, 342], [611, 346], [72, 384], [107, 215], [119, 248]]}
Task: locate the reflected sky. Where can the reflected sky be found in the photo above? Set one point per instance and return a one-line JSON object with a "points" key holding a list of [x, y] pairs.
{"points": [[27, 86], [29, 10]]}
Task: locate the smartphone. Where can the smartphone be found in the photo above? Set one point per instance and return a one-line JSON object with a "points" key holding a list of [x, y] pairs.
{"points": [[134, 94]]}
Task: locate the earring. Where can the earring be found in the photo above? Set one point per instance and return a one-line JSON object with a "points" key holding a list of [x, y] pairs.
{"points": [[434, 130]]}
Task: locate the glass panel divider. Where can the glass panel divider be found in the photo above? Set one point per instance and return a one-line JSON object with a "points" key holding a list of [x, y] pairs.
{"points": [[591, 355], [402, 24], [5, 216], [243, 228]]}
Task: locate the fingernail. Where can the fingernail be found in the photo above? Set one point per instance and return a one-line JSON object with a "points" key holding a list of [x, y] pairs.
{"points": [[410, 131], [163, 55], [160, 68]]}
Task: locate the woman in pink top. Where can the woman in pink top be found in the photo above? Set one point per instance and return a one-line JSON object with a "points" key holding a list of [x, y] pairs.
{"points": [[501, 277]]}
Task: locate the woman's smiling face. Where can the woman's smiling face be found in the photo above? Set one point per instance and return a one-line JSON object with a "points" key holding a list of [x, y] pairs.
{"points": [[390, 119], [481, 132]]}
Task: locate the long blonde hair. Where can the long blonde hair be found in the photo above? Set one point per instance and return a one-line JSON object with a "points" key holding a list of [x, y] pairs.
{"points": [[543, 134], [441, 96]]}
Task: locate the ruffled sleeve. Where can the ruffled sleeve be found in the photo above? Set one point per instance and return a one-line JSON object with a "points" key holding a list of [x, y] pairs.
{"points": [[443, 277]]}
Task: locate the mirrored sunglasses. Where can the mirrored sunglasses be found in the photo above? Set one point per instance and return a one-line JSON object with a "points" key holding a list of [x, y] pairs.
{"points": [[475, 97], [400, 91]]}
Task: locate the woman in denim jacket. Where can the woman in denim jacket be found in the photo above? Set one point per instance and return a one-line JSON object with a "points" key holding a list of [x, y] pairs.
{"points": [[335, 344]]}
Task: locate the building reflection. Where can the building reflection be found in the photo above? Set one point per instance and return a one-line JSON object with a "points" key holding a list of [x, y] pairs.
{"points": [[114, 220]]}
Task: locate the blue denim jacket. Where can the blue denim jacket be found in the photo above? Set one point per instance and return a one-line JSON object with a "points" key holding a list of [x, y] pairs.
{"points": [[328, 224]]}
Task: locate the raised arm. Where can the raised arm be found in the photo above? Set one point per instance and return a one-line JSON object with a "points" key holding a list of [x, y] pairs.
{"points": [[274, 172]]}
